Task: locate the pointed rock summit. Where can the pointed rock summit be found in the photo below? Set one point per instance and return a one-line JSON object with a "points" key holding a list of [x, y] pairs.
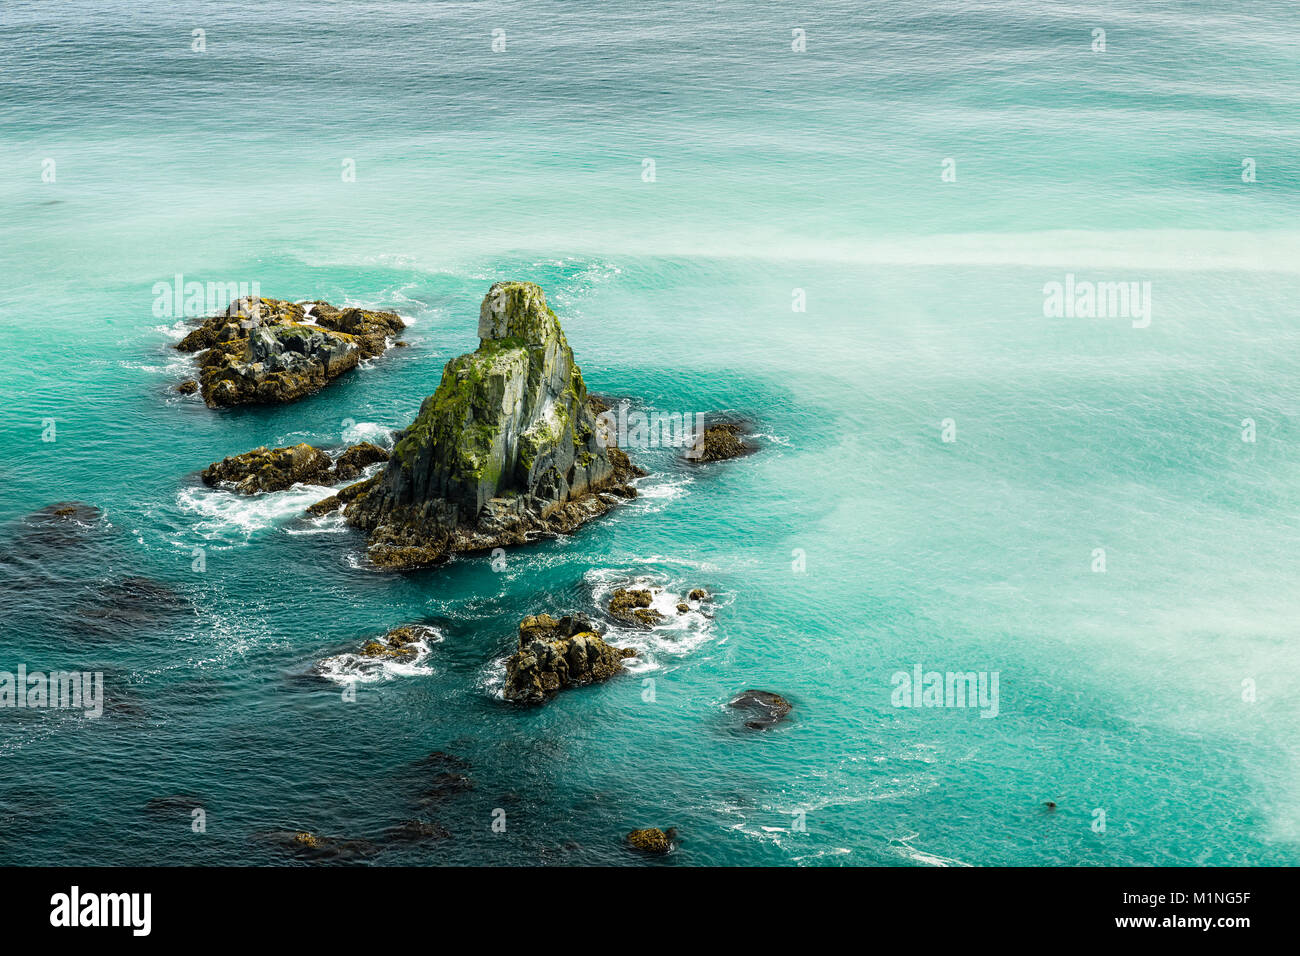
{"points": [[506, 449]]}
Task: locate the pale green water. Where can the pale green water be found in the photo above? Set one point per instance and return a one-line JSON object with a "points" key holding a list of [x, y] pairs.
{"points": [[774, 171]]}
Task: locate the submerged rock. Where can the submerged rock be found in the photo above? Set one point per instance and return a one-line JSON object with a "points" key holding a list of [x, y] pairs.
{"points": [[652, 839], [313, 846], [262, 351], [35, 539], [504, 451], [127, 606], [64, 523], [762, 707], [553, 655], [275, 469], [178, 802], [441, 760], [632, 606], [76, 511], [416, 831], [444, 785], [722, 441]]}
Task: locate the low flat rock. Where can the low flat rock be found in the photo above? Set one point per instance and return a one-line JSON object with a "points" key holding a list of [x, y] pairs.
{"points": [[268, 351]]}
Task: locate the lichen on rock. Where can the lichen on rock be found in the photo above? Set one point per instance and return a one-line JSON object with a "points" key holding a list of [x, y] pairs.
{"points": [[504, 451], [263, 351], [652, 839]]}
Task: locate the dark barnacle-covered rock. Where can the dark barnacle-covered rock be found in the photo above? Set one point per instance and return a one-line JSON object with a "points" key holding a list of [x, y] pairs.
{"points": [[761, 708], [264, 351], [721, 441], [553, 655], [275, 469]]}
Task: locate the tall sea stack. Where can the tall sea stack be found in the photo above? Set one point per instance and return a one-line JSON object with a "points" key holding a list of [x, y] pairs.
{"points": [[506, 449]]}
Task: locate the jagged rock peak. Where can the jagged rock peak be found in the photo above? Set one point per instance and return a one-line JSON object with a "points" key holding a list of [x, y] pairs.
{"points": [[505, 449], [518, 311]]}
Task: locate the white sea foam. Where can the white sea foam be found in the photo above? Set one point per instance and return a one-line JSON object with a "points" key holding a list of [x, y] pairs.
{"points": [[905, 849], [349, 667], [373, 432], [676, 635], [223, 513], [656, 492], [332, 523]]}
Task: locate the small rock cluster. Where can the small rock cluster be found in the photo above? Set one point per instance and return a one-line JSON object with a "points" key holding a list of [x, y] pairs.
{"points": [[396, 644]]}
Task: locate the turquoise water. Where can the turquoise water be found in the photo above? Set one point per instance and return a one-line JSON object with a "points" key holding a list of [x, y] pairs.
{"points": [[774, 171]]}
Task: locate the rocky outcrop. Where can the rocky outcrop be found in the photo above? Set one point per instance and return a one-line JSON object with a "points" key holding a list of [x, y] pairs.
{"points": [[270, 469], [356, 459], [262, 351], [398, 644], [652, 839], [761, 708], [632, 606], [503, 452], [336, 501], [378, 656], [553, 655], [275, 469], [722, 441]]}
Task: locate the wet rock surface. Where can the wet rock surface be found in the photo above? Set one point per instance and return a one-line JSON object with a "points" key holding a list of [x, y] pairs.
{"points": [[336, 501], [632, 606], [356, 459], [761, 708], [395, 644]]}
